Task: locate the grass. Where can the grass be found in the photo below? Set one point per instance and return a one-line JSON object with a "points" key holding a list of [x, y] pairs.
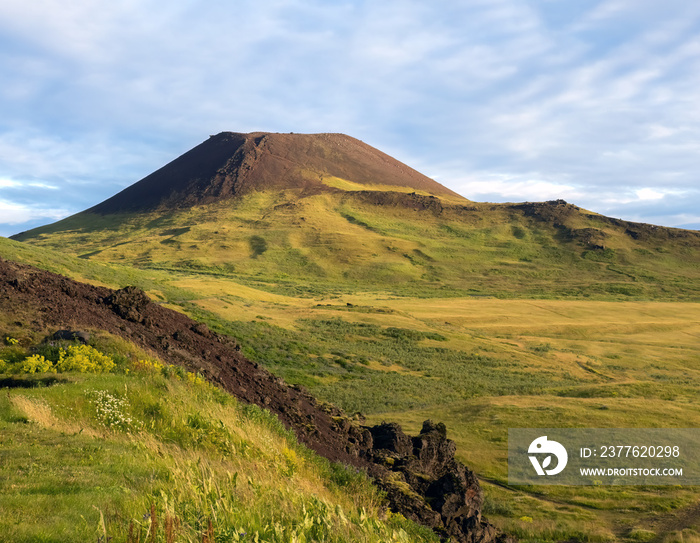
{"points": [[485, 365], [481, 316], [198, 466], [344, 242]]}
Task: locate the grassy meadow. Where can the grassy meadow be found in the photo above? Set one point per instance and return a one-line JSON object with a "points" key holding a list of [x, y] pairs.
{"points": [[150, 453], [485, 365], [481, 317]]}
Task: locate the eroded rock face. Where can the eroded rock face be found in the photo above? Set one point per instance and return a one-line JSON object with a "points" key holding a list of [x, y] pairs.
{"points": [[432, 448], [426, 483], [389, 437]]}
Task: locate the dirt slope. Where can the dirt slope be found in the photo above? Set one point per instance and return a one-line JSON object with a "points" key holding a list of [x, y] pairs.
{"points": [[420, 474], [230, 164]]}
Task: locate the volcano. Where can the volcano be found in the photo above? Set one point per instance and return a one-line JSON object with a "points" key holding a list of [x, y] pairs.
{"points": [[231, 164]]}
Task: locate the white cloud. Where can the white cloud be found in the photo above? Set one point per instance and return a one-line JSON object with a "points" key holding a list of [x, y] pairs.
{"points": [[9, 183], [505, 188], [659, 131], [649, 194], [14, 213]]}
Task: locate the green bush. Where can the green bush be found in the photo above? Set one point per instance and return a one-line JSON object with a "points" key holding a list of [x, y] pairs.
{"points": [[84, 359], [76, 358], [35, 364]]}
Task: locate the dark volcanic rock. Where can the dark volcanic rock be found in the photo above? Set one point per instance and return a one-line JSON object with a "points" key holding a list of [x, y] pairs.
{"points": [[129, 303], [422, 479], [555, 212], [230, 164], [69, 335], [432, 448], [389, 436], [427, 484]]}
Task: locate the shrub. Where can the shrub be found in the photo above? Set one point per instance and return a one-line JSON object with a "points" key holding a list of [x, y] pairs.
{"points": [[12, 355], [258, 246], [195, 378], [36, 364], [640, 534], [147, 366], [84, 359], [78, 358], [168, 371]]}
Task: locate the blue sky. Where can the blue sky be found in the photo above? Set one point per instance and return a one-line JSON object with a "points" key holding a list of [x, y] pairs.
{"points": [[596, 102]]}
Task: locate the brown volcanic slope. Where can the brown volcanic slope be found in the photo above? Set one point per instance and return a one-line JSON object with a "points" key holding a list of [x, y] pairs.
{"points": [[231, 164]]}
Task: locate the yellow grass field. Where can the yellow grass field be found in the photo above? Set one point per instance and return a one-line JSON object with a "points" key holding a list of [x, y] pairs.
{"points": [[635, 364]]}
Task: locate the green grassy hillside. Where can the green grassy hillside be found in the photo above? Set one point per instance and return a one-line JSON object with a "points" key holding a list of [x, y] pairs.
{"points": [[148, 452], [485, 365], [394, 241]]}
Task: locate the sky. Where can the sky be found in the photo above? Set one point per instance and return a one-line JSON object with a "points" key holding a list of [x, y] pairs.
{"points": [[596, 102]]}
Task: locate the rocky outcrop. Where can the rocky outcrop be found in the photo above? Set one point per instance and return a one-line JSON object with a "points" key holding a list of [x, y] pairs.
{"points": [[129, 303], [554, 212], [71, 335], [415, 201], [426, 483]]}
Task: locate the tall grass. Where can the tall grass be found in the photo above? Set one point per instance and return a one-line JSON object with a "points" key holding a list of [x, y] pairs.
{"points": [[192, 465]]}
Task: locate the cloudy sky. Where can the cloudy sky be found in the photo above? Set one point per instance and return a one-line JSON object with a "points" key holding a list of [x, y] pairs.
{"points": [[593, 101]]}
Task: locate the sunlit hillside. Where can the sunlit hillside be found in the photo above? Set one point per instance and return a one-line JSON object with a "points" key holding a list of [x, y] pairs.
{"points": [[404, 243], [149, 452]]}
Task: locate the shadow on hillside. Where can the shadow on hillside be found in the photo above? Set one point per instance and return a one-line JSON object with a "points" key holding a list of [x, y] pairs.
{"points": [[39, 382]]}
